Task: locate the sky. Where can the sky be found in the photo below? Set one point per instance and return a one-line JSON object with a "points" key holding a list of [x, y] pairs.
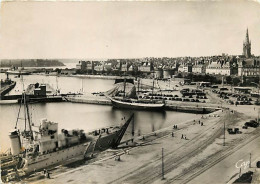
{"points": [[60, 29]]}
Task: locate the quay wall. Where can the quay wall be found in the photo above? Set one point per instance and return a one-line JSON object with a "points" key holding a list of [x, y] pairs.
{"points": [[108, 77], [88, 100], [178, 106], [7, 89], [192, 109]]}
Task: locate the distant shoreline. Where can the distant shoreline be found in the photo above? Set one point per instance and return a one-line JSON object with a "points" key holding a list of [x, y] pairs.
{"points": [[30, 63]]}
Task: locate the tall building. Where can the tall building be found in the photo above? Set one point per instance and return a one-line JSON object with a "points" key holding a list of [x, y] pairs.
{"points": [[247, 46]]}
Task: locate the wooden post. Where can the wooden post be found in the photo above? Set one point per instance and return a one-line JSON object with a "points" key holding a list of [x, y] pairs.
{"points": [[162, 166], [224, 135], [133, 127], [249, 160]]}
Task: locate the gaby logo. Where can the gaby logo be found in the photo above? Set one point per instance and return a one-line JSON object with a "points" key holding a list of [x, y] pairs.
{"points": [[242, 164]]}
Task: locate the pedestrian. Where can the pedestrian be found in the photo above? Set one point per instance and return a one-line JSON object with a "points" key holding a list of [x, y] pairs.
{"points": [[176, 127], [201, 123], [181, 136], [48, 175], [172, 134], [185, 137]]}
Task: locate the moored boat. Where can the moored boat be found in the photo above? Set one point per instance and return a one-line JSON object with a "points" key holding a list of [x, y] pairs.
{"points": [[131, 100], [137, 104]]}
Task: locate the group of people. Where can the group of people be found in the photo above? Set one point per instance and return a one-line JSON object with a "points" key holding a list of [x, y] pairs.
{"points": [[46, 173], [183, 136], [201, 123]]}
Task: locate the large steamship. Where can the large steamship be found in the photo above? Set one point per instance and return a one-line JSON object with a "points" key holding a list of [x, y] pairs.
{"points": [[44, 147]]}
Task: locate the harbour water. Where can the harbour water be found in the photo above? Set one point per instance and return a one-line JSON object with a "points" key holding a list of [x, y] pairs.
{"points": [[83, 116]]}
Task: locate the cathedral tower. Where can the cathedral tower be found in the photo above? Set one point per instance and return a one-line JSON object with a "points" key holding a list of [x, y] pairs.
{"points": [[247, 46]]}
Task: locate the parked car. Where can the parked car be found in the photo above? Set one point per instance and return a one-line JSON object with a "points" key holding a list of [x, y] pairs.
{"points": [[252, 123]]}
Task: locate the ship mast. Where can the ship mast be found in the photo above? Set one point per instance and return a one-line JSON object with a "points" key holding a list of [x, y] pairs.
{"points": [[26, 114], [82, 86], [138, 84], [57, 84], [153, 84], [124, 85]]}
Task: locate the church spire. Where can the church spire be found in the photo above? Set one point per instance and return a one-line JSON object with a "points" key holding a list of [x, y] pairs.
{"points": [[247, 46], [247, 37]]}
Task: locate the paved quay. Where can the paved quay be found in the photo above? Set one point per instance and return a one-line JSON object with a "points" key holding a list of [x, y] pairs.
{"points": [[184, 159]]}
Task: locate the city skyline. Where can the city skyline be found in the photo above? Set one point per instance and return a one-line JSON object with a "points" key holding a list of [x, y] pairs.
{"points": [[127, 29]]}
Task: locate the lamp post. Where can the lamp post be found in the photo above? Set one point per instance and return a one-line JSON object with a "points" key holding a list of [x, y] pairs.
{"points": [[162, 166], [224, 134]]}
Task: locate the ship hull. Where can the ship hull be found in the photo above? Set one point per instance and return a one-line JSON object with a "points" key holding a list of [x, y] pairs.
{"points": [[17, 73], [136, 106], [63, 156]]}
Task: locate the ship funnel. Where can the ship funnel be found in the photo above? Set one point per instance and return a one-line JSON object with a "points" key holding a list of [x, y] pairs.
{"points": [[15, 142]]}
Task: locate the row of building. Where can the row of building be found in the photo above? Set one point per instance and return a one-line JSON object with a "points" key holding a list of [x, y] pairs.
{"points": [[242, 65]]}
